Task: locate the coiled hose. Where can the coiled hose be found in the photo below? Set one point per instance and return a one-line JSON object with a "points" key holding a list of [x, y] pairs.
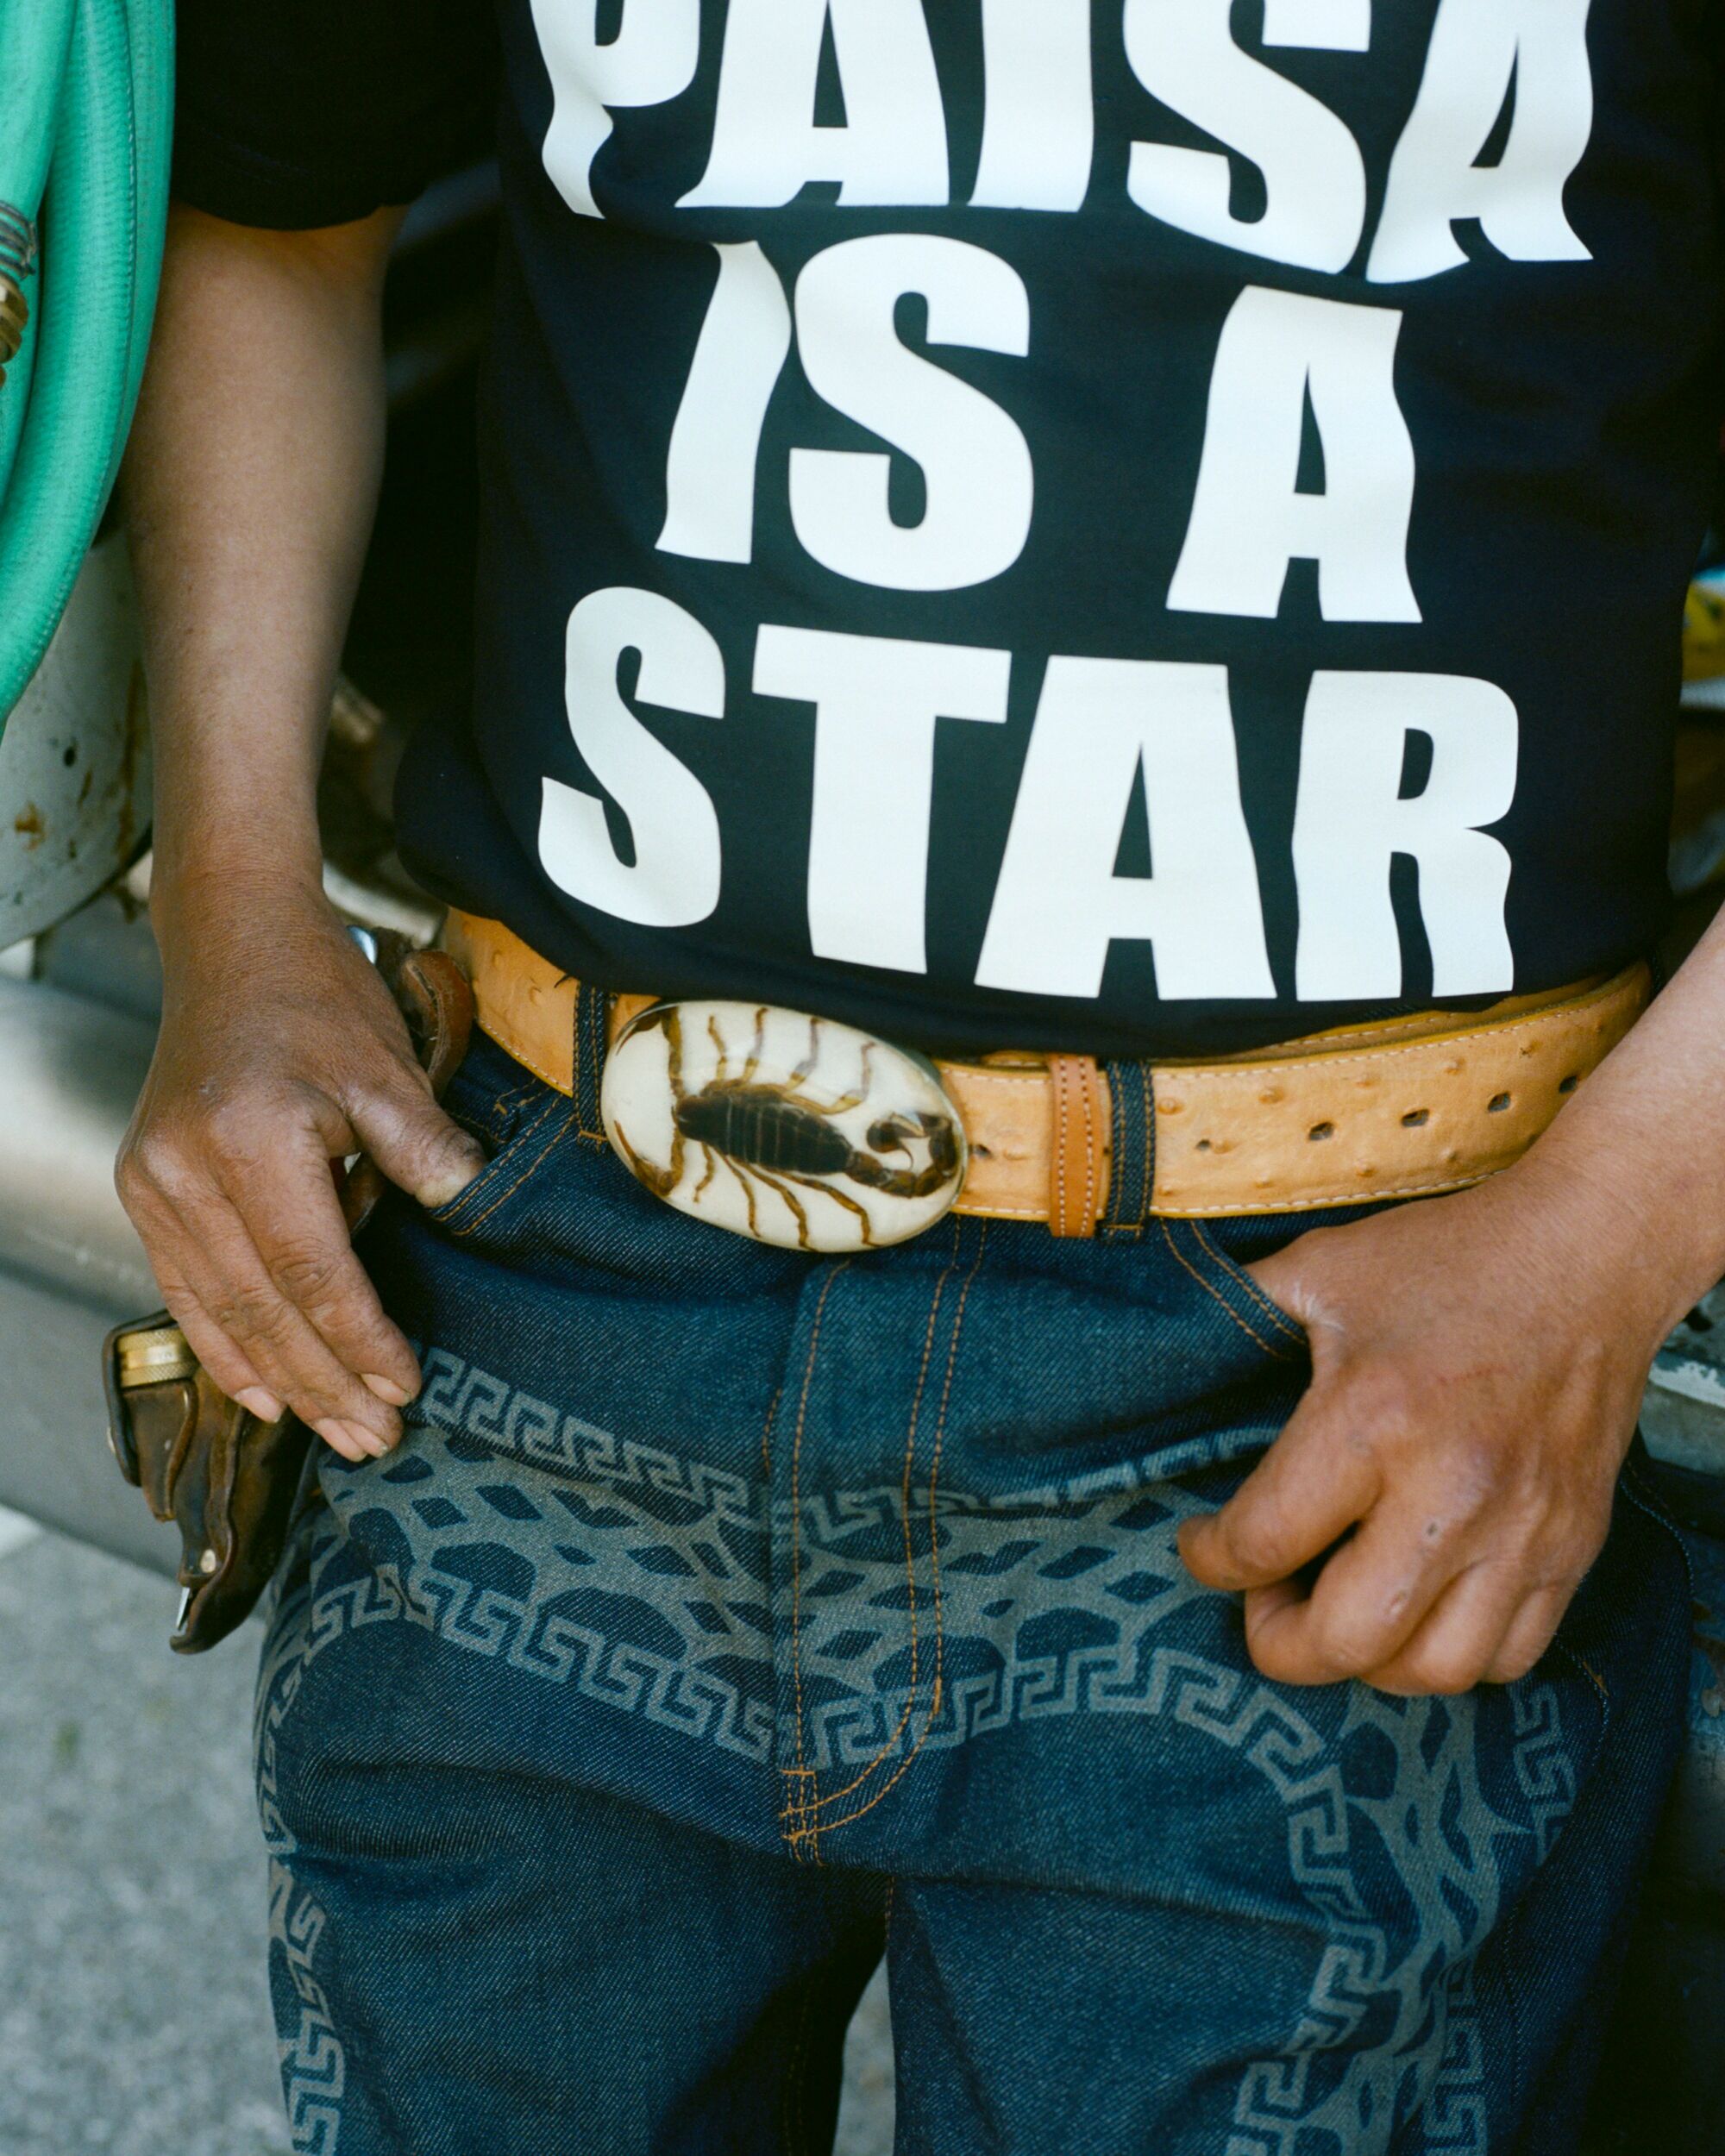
{"points": [[86, 90]]}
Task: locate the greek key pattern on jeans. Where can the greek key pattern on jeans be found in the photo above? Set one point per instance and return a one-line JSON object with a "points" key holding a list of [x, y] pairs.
{"points": [[313, 2065], [312, 2062], [632, 1576], [460, 1396]]}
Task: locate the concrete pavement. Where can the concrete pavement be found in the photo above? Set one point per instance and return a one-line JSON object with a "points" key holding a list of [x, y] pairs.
{"points": [[133, 2018]]}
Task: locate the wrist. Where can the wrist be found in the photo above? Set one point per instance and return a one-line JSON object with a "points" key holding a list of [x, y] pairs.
{"points": [[196, 895], [1617, 1239]]}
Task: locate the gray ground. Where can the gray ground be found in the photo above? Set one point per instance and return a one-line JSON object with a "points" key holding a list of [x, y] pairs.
{"points": [[133, 2013]]}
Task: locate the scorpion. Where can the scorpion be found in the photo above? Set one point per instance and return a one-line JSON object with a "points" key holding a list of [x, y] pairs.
{"points": [[771, 1132]]}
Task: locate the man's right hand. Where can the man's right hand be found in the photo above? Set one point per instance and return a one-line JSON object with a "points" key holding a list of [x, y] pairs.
{"points": [[280, 1052]]}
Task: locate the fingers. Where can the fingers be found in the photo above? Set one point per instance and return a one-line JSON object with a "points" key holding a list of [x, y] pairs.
{"points": [[1363, 1608], [1481, 1626], [1307, 1491], [237, 1207], [1530, 1632], [1450, 1651], [1457, 1573], [234, 1285], [295, 1221], [225, 1174], [230, 1369], [240, 1324], [1462, 1421], [418, 1147]]}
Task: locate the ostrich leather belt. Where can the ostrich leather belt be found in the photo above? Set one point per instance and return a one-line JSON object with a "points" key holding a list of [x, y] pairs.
{"points": [[1405, 1107]]}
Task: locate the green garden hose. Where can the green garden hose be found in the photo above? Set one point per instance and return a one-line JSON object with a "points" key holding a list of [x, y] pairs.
{"points": [[86, 91]]}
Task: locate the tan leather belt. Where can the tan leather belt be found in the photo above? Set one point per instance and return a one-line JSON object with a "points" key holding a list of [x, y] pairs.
{"points": [[1405, 1107]]}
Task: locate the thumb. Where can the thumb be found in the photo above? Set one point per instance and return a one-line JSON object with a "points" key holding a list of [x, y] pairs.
{"points": [[1288, 1277], [420, 1149]]}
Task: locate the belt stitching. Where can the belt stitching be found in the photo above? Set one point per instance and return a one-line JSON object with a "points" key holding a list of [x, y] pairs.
{"points": [[517, 1050], [976, 1075]]}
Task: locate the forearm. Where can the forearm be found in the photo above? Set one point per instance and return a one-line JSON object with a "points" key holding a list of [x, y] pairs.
{"points": [[1641, 1149], [250, 486]]}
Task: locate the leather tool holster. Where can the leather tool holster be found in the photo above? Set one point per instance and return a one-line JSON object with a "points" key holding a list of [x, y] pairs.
{"points": [[228, 1479]]}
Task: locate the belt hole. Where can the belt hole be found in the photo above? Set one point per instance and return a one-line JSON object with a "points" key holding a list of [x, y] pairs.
{"points": [[1569, 1084], [1497, 1104], [1416, 1119], [1321, 1131], [1203, 1146]]}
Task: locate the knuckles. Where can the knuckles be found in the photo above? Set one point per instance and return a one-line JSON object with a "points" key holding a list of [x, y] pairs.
{"points": [[154, 1162], [1256, 1548], [308, 1274], [177, 1146], [247, 1316], [1344, 1654], [1445, 1672], [240, 1129]]}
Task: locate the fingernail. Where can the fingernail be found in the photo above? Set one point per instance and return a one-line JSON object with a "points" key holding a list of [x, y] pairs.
{"points": [[339, 1435], [386, 1388], [256, 1401]]}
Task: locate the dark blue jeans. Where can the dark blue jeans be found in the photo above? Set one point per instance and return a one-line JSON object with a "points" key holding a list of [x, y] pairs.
{"points": [[731, 1616]]}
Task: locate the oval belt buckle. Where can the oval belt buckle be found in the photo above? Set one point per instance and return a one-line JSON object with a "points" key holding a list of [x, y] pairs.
{"points": [[792, 1130]]}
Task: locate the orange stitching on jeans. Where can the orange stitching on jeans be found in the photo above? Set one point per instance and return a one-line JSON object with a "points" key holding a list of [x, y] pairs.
{"points": [[466, 1227], [598, 1000], [1569, 1654], [494, 1104], [817, 1802], [1587, 1671], [1271, 1308], [905, 1764], [517, 1096], [494, 1115], [1210, 1288], [791, 1834], [509, 1108]]}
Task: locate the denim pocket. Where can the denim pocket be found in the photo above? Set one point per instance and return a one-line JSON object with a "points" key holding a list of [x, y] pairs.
{"points": [[1277, 1334], [520, 1125]]}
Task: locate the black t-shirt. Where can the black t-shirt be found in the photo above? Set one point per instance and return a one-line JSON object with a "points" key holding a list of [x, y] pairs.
{"points": [[1119, 524]]}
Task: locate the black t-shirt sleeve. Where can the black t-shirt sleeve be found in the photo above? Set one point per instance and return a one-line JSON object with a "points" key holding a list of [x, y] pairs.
{"points": [[314, 112]]}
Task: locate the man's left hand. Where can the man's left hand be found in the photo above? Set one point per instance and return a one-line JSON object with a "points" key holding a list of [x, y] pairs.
{"points": [[1426, 1516]]}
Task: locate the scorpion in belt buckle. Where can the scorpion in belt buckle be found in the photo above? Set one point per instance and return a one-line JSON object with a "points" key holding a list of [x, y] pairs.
{"points": [[855, 1138]]}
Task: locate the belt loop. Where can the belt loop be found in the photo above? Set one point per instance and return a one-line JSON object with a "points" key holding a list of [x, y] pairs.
{"points": [[592, 1033], [1078, 1156], [1131, 1182]]}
